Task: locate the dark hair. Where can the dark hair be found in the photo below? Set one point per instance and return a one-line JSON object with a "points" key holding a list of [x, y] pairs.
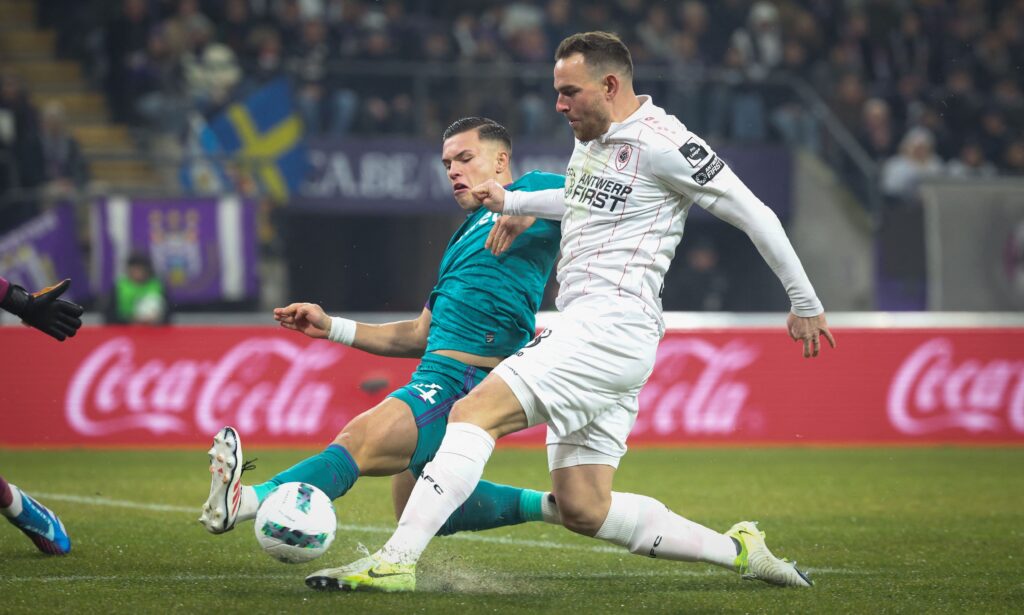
{"points": [[599, 49], [140, 258], [488, 129]]}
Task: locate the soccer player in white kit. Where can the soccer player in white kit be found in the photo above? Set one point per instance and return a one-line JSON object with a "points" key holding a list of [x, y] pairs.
{"points": [[632, 178]]}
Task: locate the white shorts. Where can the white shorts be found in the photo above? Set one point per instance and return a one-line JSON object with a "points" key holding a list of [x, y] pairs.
{"points": [[582, 377]]}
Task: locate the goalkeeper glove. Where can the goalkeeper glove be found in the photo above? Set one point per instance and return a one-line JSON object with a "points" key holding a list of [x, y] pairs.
{"points": [[44, 310]]}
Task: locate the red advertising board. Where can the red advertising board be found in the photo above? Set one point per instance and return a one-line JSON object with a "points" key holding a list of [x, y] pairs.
{"points": [[178, 385]]}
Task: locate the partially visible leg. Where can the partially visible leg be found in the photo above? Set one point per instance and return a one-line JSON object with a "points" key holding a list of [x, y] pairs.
{"points": [[489, 506], [401, 487], [647, 527], [643, 525], [378, 442], [36, 521], [488, 412]]}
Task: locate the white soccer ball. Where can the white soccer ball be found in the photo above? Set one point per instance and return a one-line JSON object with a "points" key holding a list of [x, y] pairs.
{"points": [[296, 523]]}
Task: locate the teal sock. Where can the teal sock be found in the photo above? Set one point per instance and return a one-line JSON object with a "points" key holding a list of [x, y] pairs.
{"points": [[333, 471], [490, 506]]}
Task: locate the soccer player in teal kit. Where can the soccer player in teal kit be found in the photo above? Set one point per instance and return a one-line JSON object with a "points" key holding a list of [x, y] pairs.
{"points": [[481, 310]]}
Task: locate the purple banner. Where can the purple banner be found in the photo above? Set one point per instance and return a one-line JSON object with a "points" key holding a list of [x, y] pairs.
{"points": [[405, 176], [44, 251], [203, 249]]}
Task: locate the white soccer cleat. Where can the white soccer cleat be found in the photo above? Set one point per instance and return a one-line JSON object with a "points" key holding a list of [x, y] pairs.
{"points": [[755, 561], [221, 508]]}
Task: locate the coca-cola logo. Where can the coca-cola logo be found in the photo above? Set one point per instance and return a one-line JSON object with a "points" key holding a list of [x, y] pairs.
{"points": [[694, 388], [261, 384], [933, 392]]}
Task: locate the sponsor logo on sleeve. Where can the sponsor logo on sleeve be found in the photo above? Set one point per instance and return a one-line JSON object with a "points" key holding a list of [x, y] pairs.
{"points": [[694, 152], [708, 171]]}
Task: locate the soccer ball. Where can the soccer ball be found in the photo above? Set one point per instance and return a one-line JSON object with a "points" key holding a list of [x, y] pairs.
{"points": [[296, 523]]}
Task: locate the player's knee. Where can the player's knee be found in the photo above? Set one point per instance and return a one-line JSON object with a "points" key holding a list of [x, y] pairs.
{"points": [[461, 412], [581, 518], [353, 438]]}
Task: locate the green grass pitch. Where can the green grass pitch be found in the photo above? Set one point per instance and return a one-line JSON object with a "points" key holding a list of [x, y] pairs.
{"points": [[915, 530]]}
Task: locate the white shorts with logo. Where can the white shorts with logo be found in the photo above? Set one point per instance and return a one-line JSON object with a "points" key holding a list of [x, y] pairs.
{"points": [[582, 377]]}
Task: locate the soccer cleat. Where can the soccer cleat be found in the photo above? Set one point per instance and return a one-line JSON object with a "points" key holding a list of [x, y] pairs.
{"points": [[755, 561], [367, 574], [43, 528], [221, 508]]}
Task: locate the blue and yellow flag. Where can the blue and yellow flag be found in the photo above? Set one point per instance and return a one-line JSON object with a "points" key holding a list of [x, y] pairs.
{"points": [[266, 129]]}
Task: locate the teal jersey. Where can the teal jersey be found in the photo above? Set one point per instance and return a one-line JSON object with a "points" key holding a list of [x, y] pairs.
{"points": [[484, 304]]}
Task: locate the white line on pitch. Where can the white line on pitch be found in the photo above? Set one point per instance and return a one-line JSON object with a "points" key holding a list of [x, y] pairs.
{"points": [[379, 529]]}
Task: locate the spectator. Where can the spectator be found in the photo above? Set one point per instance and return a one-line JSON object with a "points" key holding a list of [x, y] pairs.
{"points": [[876, 134], [699, 283], [165, 105], [308, 66], [237, 26], [960, 102], [138, 297], [126, 38], [656, 33], [211, 76], [916, 161], [267, 61], [848, 102], [557, 23], [971, 163], [22, 127], [65, 167], [1007, 97], [908, 48], [1013, 158], [995, 134]]}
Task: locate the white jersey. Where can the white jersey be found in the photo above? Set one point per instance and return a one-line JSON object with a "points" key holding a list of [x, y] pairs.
{"points": [[626, 197]]}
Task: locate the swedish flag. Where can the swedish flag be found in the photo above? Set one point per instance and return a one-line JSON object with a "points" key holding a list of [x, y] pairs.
{"points": [[265, 128]]}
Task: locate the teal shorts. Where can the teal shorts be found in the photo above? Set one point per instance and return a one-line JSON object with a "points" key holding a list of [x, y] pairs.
{"points": [[436, 385]]}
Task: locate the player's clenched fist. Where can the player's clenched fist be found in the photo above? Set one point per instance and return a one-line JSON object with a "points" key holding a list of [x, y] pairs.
{"points": [[491, 195], [45, 310], [307, 318]]}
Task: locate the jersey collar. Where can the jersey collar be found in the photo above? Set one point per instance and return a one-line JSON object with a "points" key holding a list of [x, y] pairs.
{"points": [[645, 108]]}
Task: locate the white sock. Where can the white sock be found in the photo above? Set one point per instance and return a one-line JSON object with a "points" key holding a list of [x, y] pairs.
{"points": [[249, 505], [444, 485], [15, 508], [647, 527], [549, 509]]}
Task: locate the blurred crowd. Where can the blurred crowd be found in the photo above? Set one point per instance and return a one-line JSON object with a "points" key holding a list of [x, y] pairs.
{"points": [[38, 154], [928, 87]]}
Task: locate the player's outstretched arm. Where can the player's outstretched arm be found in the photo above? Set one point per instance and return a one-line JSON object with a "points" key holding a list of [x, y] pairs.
{"points": [[809, 330], [548, 204], [405, 338], [44, 310]]}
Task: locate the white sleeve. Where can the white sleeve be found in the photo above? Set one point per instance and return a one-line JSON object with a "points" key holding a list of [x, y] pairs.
{"points": [[697, 173], [549, 204]]}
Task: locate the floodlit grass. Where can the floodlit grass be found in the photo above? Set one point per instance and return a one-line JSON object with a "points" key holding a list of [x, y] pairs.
{"points": [[880, 530]]}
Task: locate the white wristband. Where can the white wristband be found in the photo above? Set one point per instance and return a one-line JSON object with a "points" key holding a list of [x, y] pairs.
{"points": [[342, 331]]}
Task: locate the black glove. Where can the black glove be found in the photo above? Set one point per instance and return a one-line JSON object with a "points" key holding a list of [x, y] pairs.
{"points": [[43, 310]]}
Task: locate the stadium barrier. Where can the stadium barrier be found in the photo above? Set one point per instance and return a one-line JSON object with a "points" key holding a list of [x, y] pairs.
{"points": [[171, 386]]}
